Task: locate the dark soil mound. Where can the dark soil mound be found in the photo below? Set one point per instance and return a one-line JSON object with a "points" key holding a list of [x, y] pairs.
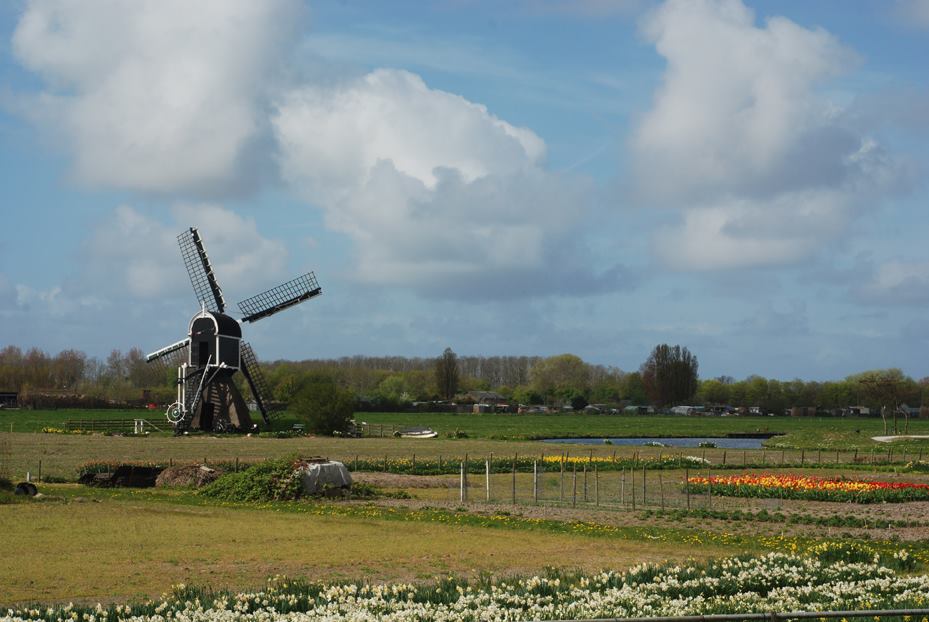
{"points": [[187, 476]]}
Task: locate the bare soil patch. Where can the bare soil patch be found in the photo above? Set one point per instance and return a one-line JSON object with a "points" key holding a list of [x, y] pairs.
{"points": [[395, 480]]}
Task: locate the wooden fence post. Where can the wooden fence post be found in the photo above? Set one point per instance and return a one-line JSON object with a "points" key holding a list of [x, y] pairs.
{"points": [[462, 490], [237, 464], [596, 485], [724, 457], [535, 483], [644, 495], [561, 489], [487, 479]]}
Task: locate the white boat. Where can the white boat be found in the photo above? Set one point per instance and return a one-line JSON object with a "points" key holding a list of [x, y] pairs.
{"points": [[424, 433]]}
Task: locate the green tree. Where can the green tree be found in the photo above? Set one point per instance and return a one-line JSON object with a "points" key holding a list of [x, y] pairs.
{"points": [[670, 375], [323, 405], [446, 374], [561, 376], [713, 392], [633, 389]]}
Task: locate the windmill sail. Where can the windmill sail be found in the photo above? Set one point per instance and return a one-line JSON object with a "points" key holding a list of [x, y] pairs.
{"points": [[279, 298], [170, 356], [201, 273], [257, 382]]}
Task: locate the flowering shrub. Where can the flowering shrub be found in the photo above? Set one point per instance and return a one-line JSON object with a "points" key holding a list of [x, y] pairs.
{"points": [[773, 582], [809, 487]]}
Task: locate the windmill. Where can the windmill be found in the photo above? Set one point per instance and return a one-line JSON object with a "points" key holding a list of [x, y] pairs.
{"points": [[213, 351]]}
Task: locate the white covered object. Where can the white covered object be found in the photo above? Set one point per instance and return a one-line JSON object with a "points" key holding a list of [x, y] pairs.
{"points": [[318, 476]]}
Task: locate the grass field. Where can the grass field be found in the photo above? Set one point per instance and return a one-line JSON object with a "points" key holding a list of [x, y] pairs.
{"points": [[798, 432], [106, 546]]}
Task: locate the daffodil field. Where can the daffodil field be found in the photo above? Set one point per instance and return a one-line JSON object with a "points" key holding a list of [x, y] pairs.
{"points": [[774, 582], [810, 488]]}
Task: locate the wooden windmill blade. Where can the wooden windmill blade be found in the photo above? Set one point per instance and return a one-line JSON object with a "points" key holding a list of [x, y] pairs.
{"points": [[282, 297], [170, 356], [256, 382], [200, 271]]}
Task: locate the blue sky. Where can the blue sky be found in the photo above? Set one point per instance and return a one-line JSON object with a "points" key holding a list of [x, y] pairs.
{"points": [[531, 177]]}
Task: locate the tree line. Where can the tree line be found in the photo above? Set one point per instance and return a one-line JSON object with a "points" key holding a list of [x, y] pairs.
{"points": [[668, 377]]}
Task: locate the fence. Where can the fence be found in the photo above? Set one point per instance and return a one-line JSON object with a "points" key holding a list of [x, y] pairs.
{"points": [[129, 426], [604, 482], [573, 485]]}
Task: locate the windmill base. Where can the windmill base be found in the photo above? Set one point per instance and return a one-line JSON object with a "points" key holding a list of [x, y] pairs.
{"points": [[221, 408]]}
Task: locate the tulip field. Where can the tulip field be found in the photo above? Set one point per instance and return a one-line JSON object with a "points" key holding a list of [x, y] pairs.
{"points": [[810, 487]]}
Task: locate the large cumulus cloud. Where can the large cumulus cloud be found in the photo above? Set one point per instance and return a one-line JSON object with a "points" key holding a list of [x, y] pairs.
{"points": [[162, 96], [436, 192], [742, 140]]}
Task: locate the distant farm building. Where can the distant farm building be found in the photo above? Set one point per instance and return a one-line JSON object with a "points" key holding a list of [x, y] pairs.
{"points": [[9, 399]]}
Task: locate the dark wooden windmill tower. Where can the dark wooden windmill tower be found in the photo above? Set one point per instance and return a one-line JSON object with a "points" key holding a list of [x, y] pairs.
{"points": [[207, 360]]}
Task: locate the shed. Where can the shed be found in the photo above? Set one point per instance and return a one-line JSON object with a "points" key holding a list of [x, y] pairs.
{"points": [[9, 399], [484, 397]]}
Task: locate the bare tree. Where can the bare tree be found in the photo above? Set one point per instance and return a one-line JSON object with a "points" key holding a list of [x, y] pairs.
{"points": [[670, 375]]}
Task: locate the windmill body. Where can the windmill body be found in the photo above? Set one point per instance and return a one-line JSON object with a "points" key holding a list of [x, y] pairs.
{"points": [[207, 396]]}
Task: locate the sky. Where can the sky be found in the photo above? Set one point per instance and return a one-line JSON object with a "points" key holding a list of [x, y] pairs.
{"points": [[747, 179]]}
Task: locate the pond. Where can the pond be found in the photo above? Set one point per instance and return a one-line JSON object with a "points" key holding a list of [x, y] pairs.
{"points": [[728, 442]]}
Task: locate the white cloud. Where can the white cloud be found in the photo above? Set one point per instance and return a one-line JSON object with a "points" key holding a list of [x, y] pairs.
{"points": [[437, 193], [54, 300], [740, 139], [897, 282], [137, 254], [157, 95]]}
